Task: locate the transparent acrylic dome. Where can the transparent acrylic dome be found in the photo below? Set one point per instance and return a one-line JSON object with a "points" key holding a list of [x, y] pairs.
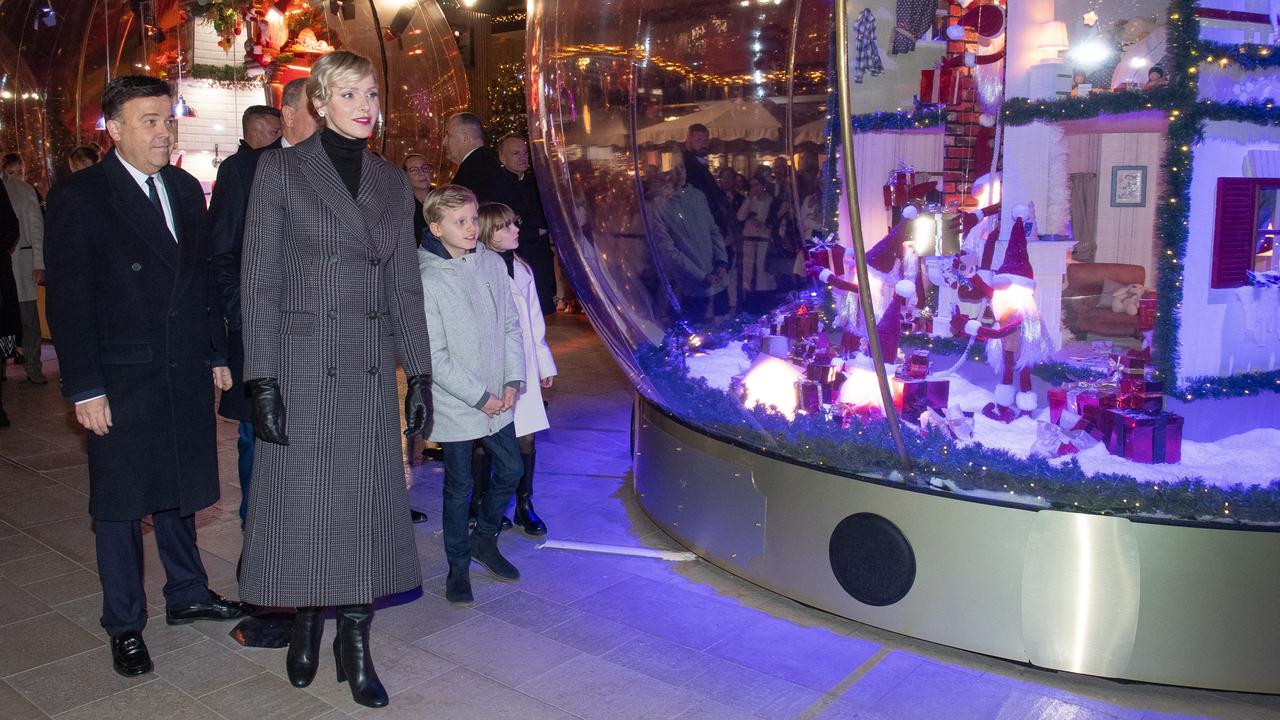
{"points": [[716, 303], [53, 72]]}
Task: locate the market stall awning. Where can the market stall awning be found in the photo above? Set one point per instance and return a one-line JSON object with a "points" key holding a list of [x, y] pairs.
{"points": [[727, 120], [600, 128]]}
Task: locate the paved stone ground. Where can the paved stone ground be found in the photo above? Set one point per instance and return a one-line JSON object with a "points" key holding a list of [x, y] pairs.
{"points": [[581, 636]]}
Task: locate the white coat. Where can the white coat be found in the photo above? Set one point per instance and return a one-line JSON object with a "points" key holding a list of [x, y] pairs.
{"points": [[531, 415], [30, 252]]}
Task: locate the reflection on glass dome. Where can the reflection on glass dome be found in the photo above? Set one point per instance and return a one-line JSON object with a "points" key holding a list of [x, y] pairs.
{"points": [[1010, 302], [220, 57]]}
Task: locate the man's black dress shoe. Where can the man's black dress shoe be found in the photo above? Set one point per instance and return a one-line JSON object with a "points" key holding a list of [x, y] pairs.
{"points": [[129, 654], [216, 608]]}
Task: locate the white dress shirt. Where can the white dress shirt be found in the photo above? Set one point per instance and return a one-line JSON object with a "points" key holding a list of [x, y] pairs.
{"points": [[141, 178]]}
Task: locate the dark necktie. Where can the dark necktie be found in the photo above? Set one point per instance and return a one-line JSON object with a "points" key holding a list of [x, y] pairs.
{"points": [[155, 200], [155, 196]]}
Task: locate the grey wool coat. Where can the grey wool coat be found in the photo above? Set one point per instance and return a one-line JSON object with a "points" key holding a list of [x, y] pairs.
{"points": [[331, 298], [476, 345]]}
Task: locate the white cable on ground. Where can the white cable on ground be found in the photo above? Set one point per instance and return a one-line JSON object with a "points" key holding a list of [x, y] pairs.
{"points": [[672, 555]]}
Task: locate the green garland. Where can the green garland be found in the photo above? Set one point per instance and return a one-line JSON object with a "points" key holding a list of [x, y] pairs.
{"points": [[1021, 111], [866, 448], [1252, 383], [923, 117], [1248, 57]]}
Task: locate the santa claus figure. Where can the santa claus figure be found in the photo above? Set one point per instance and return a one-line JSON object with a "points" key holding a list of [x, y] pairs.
{"points": [[890, 261], [1018, 337]]}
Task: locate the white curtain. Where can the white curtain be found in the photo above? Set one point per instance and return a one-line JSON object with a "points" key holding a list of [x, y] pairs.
{"points": [[876, 155]]}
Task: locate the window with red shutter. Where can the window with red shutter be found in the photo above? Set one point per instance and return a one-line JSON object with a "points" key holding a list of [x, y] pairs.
{"points": [[1234, 231]]}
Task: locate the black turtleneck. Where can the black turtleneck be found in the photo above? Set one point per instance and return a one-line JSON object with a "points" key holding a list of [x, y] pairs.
{"points": [[346, 154]]}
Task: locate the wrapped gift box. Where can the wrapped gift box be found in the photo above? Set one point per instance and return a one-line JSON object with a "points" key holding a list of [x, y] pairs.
{"points": [[1147, 312], [799, 323], [915, 367], [831, 388], [847, 413], [850, 343], [943, 86], [1146, 395], [808, 397], [1144, 437], [828, 253], [1088, 400], [917, 396]]}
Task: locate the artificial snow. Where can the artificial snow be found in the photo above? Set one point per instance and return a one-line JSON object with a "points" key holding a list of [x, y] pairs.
{"points": [[1248, 458]]}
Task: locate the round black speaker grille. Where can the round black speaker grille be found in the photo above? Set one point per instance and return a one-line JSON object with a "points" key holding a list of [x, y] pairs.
{"points": [[872, 559]]}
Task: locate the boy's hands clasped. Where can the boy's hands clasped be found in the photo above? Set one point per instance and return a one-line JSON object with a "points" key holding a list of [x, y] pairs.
{"points": [[495, 406]]}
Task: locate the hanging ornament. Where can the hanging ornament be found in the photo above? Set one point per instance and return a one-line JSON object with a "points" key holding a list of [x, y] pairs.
{"points": [[1090, 19]]}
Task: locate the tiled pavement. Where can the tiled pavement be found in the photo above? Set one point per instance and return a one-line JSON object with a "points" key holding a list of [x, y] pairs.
{"points": [[580, 636]]}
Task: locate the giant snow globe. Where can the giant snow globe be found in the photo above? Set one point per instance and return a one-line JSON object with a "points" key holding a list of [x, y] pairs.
{"points": [[956, 318], [220, 56]]}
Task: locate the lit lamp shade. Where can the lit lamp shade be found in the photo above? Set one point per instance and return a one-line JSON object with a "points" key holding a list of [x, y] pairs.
{"points": [[1053, 38]]}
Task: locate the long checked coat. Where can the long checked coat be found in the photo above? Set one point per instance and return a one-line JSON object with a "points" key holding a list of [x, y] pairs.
{"points": [[331, 298]]}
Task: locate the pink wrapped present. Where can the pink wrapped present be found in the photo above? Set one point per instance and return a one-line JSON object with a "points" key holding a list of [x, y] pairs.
{"points": [[808, 397], [918, 396], [1143, 437]]}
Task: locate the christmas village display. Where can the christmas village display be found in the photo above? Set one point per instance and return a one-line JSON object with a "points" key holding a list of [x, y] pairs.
{"points": [[989, 407]]}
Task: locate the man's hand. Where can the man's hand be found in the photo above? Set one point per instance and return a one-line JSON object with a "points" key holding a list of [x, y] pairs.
{"points": [[222, 378], [95, 415], [492, 406], [548, 381], [38, 276], [508, 398]]}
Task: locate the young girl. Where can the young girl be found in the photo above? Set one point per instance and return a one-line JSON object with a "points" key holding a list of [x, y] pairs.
{"points": [[500, 232]]}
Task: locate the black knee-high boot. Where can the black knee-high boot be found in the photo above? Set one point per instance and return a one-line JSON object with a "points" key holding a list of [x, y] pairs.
{"points": [[351, 655], [481, 472], [304, 646], [526, 517]]}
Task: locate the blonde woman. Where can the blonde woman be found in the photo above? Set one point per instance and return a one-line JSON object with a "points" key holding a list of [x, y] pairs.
{"points": [[332, 299]]}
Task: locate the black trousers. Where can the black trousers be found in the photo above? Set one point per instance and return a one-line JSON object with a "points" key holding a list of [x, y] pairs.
{"points": [[119, 548]]}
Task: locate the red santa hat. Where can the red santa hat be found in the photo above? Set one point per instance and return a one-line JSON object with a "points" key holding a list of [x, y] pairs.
{"points": [[1016, 268], [985, 20], [885, 254], [889, 328]]}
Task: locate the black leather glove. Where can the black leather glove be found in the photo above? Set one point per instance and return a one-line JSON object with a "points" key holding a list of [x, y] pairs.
{"points": [[268, 410], [417, 406]]}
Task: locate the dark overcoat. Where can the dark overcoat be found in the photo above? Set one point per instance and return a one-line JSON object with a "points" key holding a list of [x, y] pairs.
{"points": [[331, 298], [227, 207], [134, 314]]}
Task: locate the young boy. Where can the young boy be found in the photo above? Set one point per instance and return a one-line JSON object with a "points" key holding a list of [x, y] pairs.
{"points": [[477, 364]]}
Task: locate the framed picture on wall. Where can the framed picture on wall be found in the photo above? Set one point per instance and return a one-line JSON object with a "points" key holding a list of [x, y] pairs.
{"points": [[1129, 186]]}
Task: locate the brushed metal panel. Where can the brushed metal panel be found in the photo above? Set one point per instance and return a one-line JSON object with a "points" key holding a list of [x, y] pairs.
{"points": [[1100, 595], [697, 491], [1210, 613], [1081, 587]]}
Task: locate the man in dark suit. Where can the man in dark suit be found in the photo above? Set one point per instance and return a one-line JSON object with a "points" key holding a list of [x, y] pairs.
{"points": [[261, 125], [140, 340], [481, 172], [697, 141], [535, 240]]}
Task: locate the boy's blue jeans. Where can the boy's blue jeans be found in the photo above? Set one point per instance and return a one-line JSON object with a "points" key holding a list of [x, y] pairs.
{"points": [[508, 466], [244, 445]]}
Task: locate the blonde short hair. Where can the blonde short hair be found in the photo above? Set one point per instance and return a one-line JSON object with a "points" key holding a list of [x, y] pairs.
{"points": [[494, 216], [337, 68], [445, 197]]}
